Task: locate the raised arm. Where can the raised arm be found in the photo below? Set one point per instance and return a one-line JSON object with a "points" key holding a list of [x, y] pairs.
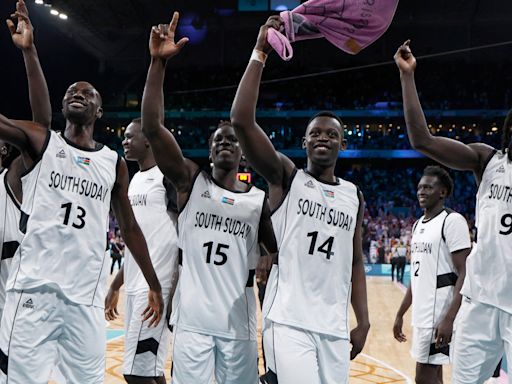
{"points": [[256, 145], [451, 153], [27, 136], [23, 38], [134, 239], [167, 152], [359, 297]]}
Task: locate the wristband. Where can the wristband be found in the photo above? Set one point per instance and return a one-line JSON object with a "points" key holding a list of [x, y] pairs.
{"points": [[258, 55]]}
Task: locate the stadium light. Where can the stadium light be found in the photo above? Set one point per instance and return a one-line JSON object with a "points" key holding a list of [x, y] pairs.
{"points": [[54, 12], [63, 16], [39, 2]]}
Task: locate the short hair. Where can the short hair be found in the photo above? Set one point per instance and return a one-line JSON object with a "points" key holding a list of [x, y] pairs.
{"points": [[506, 136], [442, 175], [137, 120], [222, 123], [331, 115]]}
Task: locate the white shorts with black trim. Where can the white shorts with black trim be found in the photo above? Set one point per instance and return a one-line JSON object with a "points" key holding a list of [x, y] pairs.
{"points": [[199, 358], [145, 349], [423, 348], [40, 325], [484, 334], [298, 356]]}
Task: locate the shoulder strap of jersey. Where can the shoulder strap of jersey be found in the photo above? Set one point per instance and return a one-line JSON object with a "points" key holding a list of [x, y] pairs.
{"points": [[286, 191], [448, 211], [170, 194], [414, 225], [193, 182], [487, 161]]}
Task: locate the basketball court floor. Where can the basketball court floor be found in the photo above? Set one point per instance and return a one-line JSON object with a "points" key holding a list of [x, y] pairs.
{"points": [[383, 360]]}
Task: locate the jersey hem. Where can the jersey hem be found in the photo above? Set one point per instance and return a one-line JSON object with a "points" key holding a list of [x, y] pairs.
{"points": [[213, 333], [308, 328]]}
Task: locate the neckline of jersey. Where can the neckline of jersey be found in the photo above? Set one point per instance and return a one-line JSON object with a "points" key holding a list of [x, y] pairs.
{"points": [[149, 169], [99, 146], [228, 189], [337, 182], [424, 221]]}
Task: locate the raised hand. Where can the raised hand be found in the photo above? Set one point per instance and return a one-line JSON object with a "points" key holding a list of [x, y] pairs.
{"points": [[272, 22], [22, 33], [404, 59], [161, 40]]}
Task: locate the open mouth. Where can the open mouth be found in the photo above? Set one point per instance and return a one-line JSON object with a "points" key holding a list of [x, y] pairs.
{"points": [[76, 104]]}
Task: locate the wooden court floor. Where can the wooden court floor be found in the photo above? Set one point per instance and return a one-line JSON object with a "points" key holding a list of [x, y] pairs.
{"points": [[383, 360]]}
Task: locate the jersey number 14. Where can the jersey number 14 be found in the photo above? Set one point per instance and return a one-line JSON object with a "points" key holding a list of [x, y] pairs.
{"points": [[325, 247]]}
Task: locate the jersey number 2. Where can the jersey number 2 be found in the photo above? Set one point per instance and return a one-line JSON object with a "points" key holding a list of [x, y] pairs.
{"points": [[80, 216], [417, 266]]}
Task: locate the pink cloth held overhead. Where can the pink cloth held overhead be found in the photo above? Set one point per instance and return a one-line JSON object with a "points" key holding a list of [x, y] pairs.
{"points": [[351, 25]]}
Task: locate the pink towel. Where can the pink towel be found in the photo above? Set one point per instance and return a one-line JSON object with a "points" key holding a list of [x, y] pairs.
{"points": [[351, 25]]}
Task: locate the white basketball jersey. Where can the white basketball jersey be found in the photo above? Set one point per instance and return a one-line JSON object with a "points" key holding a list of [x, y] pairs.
{"points": [[489, 269], [148, 197], [9, 233], [433, 275], [218, 236], [314, 227], [64, 219]]}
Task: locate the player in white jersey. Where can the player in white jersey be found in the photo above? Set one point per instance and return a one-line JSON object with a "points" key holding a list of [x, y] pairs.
{"points": [[9, 219], [317, 218], [440, 245], [220, 224], [57, 281], [485, 321], [23, 38], [153, 201]]}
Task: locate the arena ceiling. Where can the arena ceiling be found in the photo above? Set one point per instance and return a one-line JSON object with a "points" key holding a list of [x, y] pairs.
{"points": [[115, 32]]}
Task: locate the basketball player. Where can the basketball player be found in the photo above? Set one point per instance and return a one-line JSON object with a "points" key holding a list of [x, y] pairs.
{"points": [[153, 201], [221, 222], [440, 245], [11, 164], [318, 219], [485, 325], [9, 217], [58, 273]]}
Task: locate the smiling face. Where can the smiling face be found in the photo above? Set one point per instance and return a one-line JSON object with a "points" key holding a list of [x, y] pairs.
{"points": [[81, 103], [430, 192], [225, 149], [323, 140], [135, 144]]}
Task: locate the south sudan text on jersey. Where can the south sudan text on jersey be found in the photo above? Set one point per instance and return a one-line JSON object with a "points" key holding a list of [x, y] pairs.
{"points": [[421, 247], [501, 192], [138, 200], [328, 215], [78, 185], [222, 224]]}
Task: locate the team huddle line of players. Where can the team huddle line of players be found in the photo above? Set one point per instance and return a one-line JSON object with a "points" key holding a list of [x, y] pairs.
{"points": [[194, 239]]}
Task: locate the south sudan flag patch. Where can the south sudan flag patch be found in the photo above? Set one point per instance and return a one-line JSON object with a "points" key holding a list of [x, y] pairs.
{"points": [[227, 200], [83, 160], [328, 193]]}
